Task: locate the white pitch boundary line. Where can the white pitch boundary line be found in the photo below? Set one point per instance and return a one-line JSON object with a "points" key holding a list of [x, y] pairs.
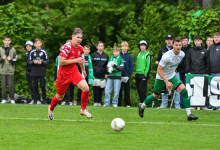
{"points": [[145, 122]]}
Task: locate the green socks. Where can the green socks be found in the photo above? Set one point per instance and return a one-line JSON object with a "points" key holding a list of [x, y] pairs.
{"points": [[149, 99], [186, 100]]}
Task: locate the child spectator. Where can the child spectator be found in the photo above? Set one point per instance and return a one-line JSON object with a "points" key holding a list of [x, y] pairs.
{"points": [[8, 57], [29, 46], [99, 62], [115, 67], [143, 67], [126, 74], [89, 71], [38, 60]]}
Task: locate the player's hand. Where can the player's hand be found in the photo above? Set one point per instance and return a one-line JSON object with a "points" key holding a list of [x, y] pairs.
{"points": [[39, 62], [113, 64], [80, 60], [4, 57], [9, 58], [169, 85], [106, 76], [84, 73]]}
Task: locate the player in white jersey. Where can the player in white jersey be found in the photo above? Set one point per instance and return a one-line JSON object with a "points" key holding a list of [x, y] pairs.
{"points": [[166, 78]]}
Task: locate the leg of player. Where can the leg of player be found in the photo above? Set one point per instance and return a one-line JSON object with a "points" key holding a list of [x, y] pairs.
{"points": [[84, 98], [55, 100], [186, 102], [147, 101]]}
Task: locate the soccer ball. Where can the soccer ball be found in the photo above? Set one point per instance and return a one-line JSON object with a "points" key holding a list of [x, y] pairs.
{"points": [[118, 124]]}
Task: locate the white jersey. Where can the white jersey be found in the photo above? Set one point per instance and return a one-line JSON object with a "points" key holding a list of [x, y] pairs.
{"points": [[170, 62]]}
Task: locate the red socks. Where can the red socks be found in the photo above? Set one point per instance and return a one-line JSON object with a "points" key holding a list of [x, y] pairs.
{"points": [[54, 103], [84, 100]]}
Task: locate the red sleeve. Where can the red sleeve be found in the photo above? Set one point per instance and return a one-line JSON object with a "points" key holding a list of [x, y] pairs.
{"points": [[65, 50]]}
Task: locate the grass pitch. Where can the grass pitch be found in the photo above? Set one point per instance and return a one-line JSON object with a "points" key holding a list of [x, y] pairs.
{"points": [[24, 126]]}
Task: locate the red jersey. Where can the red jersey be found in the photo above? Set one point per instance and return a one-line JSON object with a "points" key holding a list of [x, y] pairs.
{"points": [[70, 52]]}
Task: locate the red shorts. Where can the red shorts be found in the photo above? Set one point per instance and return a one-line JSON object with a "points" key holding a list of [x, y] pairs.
{"points": [[63, 81]]}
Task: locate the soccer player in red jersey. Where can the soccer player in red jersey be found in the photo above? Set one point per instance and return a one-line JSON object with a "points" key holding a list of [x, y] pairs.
{"points": [[69, 73]]}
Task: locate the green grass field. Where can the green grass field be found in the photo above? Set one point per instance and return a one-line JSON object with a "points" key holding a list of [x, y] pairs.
{"points": [[24, 126]]}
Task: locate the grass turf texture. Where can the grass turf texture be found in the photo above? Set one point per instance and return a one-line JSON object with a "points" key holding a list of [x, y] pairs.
{"points": [[24, 126]]}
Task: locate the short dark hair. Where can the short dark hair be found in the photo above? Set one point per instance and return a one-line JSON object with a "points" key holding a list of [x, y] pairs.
{"points": [[87, 46], [77, 31], [6, 36], [184, 37], [177, 40], [100, 42], [198, 37]]}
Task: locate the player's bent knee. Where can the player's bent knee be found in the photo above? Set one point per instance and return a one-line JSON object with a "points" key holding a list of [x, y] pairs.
{"points": [[156, 96], [60, 97], [180, 87], [85, 89]]}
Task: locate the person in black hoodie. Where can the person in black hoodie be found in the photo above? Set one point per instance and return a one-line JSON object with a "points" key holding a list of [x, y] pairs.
{"points": [[197, 58], [181, 69], [29, 46], [215, 55], [38, 59], [99, 62]]}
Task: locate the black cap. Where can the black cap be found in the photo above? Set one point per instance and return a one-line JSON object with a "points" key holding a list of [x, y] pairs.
{"points": [[169, 37]]}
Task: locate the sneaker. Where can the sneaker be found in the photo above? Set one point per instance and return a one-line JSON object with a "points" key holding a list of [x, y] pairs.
{"points": [[63, 103], [192, 117], [50, 113], [38, 102], [4, 101], [206, 108], [32, 102], [71, 103], [177, 108], [115, 105], [128, 106], [12, 101], [141, 110], [86, 113], [99, 104], [161, 107], [95, 104]]}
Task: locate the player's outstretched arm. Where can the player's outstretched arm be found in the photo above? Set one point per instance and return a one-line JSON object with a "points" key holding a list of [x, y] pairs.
{"points": [[63, 61], [160, 72]]}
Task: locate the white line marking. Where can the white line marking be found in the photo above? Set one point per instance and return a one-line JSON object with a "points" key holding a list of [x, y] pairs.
{"points": [[89, 120]]}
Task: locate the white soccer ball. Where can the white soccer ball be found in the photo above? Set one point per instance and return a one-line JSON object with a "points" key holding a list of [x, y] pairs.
{"points": [[118, 124]]}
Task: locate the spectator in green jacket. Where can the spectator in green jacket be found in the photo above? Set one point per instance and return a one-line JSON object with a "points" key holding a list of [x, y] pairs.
{"points": [[8, 57], [143, 67]]}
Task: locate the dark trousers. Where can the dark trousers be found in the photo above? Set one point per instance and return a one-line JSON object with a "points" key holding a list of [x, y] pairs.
{"points": [[126, 87], [97, 92], [29, 81], [36, 95], [183, 79], [7, 81], [69, 94], [141, 84], [79, 92]]}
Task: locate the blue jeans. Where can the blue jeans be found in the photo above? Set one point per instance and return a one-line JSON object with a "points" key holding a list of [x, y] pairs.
{"points": [[176, 97], [215, 74], [108, 89]]}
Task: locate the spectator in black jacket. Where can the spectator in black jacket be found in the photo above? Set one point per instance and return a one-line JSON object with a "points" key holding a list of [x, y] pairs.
{"points": [[215, 55], [197, 59], [163, 50], [38, 59], [209, 42], [182, 65], [29, 46]]}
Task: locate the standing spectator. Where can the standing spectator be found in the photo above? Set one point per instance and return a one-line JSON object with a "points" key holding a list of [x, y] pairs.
{"points": [[162, 51], [115, 67], [181, 69], [99, 62], [143, 67], [67, 100], [38, 60], [29, 46], [197, 59], [89, 71], [126, 75], [209, 42], [215, 55], [8, 57]]}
